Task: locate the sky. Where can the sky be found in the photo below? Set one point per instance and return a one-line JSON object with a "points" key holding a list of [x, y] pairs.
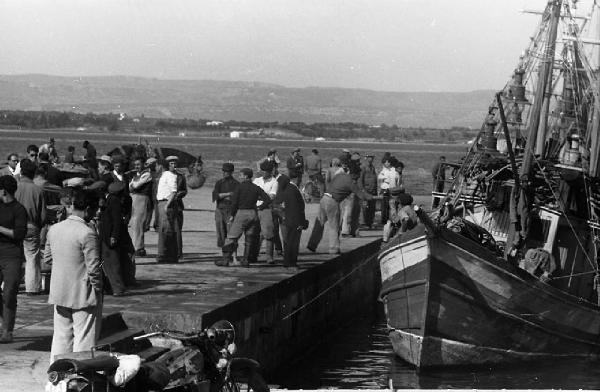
{"points": [[390, 45]]}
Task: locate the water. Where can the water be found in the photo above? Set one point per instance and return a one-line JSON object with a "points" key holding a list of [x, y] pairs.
{"points": [[361, 356]]}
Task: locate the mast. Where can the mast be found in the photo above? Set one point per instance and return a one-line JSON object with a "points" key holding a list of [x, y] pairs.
{"points": [[595, 137], [542, 82]]}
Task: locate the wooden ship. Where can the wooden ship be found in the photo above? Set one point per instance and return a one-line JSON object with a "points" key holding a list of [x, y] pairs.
{"points": [[506, 269]]}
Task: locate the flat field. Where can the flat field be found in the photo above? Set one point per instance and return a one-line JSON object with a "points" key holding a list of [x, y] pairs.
{"points": [[418, 158]]}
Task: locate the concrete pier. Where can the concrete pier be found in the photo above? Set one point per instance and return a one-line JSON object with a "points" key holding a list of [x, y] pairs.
{"points": [[277, 313]]}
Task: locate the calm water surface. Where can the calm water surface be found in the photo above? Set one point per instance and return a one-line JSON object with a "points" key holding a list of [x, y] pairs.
{"points": [[361, 356]]}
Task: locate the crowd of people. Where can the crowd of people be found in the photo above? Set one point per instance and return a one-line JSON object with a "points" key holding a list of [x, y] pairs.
{"points": [[89, 229]]}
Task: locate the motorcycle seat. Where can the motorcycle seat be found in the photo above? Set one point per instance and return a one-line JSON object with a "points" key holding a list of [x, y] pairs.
{"points": [[103, 363]]}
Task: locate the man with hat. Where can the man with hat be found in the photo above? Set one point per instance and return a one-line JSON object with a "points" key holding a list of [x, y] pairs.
{"points": [[244, 218], [340, 188], [368, 182], [169, 194], [295, 166], [265, 215], [402, 215], [140, 189], [222, 193]]}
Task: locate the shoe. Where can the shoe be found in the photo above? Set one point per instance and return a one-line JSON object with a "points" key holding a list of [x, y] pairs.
{"points": [[345, 235], [222, 263], [240, 264], [7, 337], [291, 268], [140, 252], [311, 249], [33, 293], [119, 294]]}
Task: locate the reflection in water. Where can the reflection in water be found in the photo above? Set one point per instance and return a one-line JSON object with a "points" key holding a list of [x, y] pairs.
{"points": [[361, 356]]}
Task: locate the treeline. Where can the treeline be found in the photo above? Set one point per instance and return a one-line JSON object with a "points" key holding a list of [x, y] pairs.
{"points": [[118, 121]]}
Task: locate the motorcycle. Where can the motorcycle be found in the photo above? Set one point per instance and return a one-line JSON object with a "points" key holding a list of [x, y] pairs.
{"points": [[194, 362]]}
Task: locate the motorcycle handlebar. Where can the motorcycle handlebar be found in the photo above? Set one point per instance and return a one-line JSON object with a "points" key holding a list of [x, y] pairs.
{"points": [[211, 333], [167, 334]]}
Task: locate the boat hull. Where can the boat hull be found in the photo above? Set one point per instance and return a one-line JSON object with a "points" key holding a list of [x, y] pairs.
{"points": [[449, 301]]}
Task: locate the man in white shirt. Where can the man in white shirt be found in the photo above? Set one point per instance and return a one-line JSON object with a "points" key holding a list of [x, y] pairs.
{"points": [[388, 178], [11, 169], [267, 183], [171, 189]]}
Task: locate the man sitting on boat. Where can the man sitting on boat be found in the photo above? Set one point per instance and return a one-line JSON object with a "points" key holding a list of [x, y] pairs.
{"points": [[402, 215]]}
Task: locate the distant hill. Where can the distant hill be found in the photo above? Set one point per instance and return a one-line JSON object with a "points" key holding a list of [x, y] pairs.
{"points": [[224, 100]]}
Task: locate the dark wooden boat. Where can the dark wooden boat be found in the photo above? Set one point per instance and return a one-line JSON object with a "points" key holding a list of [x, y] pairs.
{"points": [[507, 269]]}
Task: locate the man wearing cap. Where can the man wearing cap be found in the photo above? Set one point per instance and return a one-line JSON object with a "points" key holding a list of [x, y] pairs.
{"points": [[368, 182], [169, 194], [329, 211], [32, 198], [140, 188], [265, 215], [244, 217], [295, 166], [222, 193], [271, 157], [104, 177]]}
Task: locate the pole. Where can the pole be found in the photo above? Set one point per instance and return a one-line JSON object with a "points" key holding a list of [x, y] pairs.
{"points": [[545, 69], [511, 153]]}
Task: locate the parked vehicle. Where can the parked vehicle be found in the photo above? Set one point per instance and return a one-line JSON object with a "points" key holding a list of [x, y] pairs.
{"points": [[167, 361]]}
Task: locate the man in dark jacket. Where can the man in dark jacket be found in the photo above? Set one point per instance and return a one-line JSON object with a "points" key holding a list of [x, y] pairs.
{"points": [[222, 193], [290, 201], [112, 232], [53, 175], [244, 218], [13, 228], [295, 166], [368, 182]]}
